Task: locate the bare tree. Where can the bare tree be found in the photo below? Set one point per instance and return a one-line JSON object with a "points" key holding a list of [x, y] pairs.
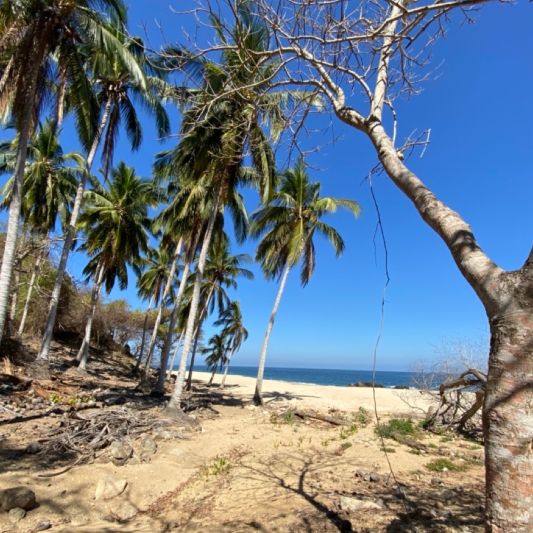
{"points": [[360, 56]]}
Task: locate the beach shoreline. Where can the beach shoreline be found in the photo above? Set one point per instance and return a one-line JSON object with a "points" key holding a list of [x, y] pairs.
{"points": [[405, 402]]}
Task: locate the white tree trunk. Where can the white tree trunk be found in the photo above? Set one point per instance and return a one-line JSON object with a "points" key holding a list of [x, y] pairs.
{"points": [[166, 292], [226, 369], [83, 353], [160, 386], [69, 239], [31, 286], [258, 398], [175, 400], [143, 338], [15, 205], [174, 355]]}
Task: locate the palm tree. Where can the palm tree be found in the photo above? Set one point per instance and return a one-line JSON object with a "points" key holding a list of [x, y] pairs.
{"points": [[288, 224], [216, 351], [32, 32], [116, 225], [232, 328], [151, 283], [48, 190], [117, 79], [222, 270]]}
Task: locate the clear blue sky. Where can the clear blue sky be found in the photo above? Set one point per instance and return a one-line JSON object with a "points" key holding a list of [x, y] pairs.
{"points": [[480, 112]]}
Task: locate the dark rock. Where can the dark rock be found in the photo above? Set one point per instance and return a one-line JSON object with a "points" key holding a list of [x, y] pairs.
{"points": [[17, 497], [366, 384], [33, 447], [375, 477], [43, 525]]}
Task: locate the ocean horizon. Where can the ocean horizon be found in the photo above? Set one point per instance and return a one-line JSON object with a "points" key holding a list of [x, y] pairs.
{"points": [[322, 376]]}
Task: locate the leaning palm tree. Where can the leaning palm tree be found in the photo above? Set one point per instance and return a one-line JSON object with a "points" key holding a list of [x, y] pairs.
{"points": [[222, 271], [48, 190], [232, 328], [151, 283], [117, 78], [216, 352], [116, 226], [32, 33], [288, 224]]}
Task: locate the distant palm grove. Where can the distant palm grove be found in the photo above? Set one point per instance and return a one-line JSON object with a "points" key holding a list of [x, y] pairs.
{"points": [[167, 233]]}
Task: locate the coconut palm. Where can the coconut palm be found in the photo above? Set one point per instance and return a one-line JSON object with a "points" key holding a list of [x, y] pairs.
{"points": [[216, 352], [116, 226], [118, 80], [288, 224], [151, 282], [234, 330], [32, 33], [48, 190], [222, 271]]}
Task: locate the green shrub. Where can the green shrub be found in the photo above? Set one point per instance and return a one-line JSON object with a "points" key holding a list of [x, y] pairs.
{"points": [[397, 427], [443, 465]]}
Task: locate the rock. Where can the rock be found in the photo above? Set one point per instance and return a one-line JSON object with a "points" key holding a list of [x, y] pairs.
{"points": [[33, 447], [350, 504], [16, 514], [109, 487], [363, 473], [148, 446], [17, 497], [375, 477], [436, 481], [43, 525], [164, 434], [124, 512], [120, 452]]}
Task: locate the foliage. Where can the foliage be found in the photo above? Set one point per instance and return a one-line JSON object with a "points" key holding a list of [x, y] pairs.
{"points": [[396, 428], [443, 465]]}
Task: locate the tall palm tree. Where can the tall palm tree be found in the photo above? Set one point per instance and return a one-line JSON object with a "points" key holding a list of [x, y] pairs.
{"points": [[117, 79], [116, 226], [32, 32], [234, 330], [48, 190], [222, 271], [288, 224], [151, 282]]}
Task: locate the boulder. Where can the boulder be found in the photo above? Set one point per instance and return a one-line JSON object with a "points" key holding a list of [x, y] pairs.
{"points": [[109, 487], [124, 511], [21, 497], [120, 452]]}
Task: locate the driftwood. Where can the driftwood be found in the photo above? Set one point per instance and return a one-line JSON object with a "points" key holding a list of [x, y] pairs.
{"points": [[460, 402], [313, 415], [83, 436]]}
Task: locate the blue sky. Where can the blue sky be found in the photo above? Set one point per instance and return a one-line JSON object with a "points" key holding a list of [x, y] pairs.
{"points": [[479, 109]]}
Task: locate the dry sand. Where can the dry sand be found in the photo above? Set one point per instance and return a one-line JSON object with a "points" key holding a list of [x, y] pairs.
{"points": [[324, 397], [248, 469]]}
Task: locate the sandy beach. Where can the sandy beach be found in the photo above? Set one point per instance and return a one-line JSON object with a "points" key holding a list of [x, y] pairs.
{"points": [[324, 397]]}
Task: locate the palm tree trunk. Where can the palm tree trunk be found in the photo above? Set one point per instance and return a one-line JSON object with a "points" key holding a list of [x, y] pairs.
{"points": [[83, 352], [175, 400], [174, 355], [143, 339], [160, 386], [193, 357], [30, 291], [69, 239], [223, 382], [258, 399], [166, 291], [197, 332], [10, 244], [210, 382], [14, 296]]}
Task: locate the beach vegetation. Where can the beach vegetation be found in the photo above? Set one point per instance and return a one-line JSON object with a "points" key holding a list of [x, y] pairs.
{"points": [[444, 465], [396, 428]]}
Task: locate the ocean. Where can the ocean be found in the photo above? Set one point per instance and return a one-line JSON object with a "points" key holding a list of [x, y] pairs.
{"points": [[320, 376]]}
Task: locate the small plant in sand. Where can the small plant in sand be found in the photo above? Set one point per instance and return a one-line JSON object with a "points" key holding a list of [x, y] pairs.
{"points": [[347, 432], [398, 429], [388, 449], [220, 466], [444, 465], [362, 417]]}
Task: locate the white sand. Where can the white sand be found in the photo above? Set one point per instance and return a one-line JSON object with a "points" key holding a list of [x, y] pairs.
{"points": [[323, 397]]}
